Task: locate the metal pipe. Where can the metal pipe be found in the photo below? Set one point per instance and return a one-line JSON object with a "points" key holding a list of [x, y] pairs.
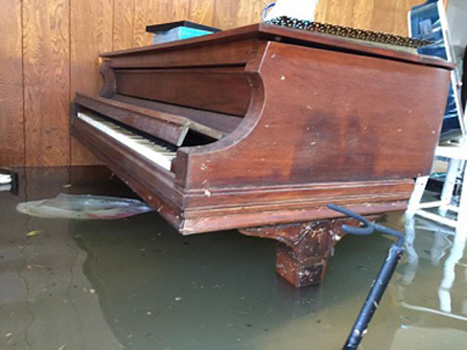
{"points": [[379, 285]]}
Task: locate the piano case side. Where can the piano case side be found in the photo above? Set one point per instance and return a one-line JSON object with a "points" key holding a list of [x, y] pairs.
{"points": [[317, 118]]}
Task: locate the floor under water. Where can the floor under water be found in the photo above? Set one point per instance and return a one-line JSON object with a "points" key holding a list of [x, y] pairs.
{"points": [[136, 284]]}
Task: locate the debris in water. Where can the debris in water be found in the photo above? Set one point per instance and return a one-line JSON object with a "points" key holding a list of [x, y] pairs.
{"points": [[33, 233], [69, 206]]}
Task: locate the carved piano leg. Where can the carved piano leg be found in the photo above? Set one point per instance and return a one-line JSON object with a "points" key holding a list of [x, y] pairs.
{"points": [[303, 249]]}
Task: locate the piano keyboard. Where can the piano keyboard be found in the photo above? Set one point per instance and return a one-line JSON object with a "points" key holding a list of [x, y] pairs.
{"points": [[154, 152]]}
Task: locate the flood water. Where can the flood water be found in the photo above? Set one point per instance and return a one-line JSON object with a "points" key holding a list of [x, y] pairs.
{"points": [[137, 284]]}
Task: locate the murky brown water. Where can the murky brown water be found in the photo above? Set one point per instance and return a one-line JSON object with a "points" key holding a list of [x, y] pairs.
{"points": [[137, 284]]}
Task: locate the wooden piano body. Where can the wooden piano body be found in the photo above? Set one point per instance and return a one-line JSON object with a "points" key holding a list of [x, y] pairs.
{"points": [[261, 127]]}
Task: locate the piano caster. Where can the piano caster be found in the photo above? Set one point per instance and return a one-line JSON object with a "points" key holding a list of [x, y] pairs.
{"points": [[303, 249]]}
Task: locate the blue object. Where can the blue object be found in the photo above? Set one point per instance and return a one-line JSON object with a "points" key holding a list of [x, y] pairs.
{"points": [[426, 24], [167, 32], [178, 34]]}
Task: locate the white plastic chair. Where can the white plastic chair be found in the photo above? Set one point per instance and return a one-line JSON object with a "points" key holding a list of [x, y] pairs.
{"points": [[457, 157]]}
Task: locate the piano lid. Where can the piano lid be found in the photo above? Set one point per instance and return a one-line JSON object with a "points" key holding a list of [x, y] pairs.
{"points": [[269, 32]]}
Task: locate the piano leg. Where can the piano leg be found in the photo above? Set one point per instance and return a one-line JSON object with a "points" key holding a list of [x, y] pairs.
{"points": [[303, 249]]}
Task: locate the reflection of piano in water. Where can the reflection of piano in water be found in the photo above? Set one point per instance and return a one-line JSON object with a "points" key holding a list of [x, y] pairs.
{"points": [[258, 128]]}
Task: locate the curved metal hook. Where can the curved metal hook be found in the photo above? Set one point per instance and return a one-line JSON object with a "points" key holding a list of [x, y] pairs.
{"points": [[367, 227]]}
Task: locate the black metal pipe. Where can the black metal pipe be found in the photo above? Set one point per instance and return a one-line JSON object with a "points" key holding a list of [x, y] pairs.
{"points": [[382, 280], [372, 301]]}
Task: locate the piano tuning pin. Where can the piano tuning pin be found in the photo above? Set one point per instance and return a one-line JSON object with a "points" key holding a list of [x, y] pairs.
{"points": [[348, 32]]}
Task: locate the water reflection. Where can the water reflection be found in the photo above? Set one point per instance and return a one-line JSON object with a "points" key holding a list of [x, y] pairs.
{"points": [[158, 289], [444, 291], [137, 284], [445, 244]]}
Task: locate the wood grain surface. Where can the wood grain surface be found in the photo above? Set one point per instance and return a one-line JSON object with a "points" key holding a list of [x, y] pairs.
{"points": [[11, 85], [123, 24], [218, 90], [202, 11], [347, 113], [385, 16], [91, 33], [46, 44], [337, 134], [149, 12], [58, 42], [323, 123]]}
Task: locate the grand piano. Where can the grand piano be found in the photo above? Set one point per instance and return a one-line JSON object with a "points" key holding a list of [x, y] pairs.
{"points": [[258, 128]]}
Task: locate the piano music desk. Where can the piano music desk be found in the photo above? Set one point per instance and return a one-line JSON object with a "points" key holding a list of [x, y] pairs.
{"points": [[258, 128]]}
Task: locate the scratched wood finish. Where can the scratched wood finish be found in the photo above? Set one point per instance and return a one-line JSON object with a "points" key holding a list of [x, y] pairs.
{"points": [[321, 97], [91, 33], [335, 126], [242, 44], [229, 210], [11, 85], [303, 249], [86, 27], [326, 123], [46, 43]]}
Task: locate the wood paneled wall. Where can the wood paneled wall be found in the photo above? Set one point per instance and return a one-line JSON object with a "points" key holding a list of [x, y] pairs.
{"points": [[11, 84], [48, 50]]}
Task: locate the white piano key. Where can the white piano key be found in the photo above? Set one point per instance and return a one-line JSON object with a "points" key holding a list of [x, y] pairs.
{"points": [[146, 148]]}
